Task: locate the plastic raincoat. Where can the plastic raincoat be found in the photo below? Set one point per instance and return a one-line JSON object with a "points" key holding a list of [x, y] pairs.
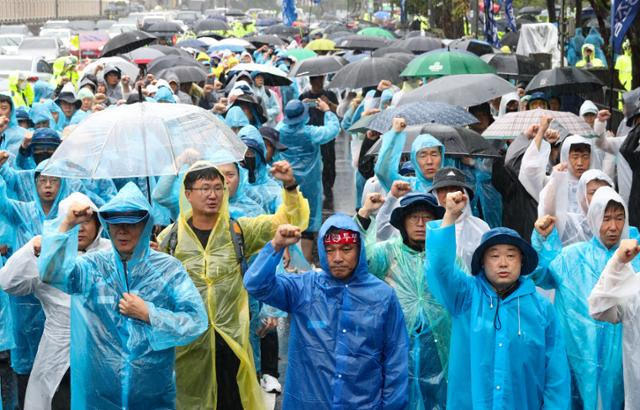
{"points": [[575, 47], [348, 342], [614, 299], [21, 96], [12, 137], [303, 153], [594, 37], [388, 161], [520, 364], [594, 349], [269, 101], [118, 362], [40, 112], [216, 272], [428, 323], [236, 118], [61, 122], [20, 277]]}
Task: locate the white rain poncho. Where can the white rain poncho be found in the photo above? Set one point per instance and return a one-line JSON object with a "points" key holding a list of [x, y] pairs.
{"points": [[611, 145], [20, 277], [539, 38], [505, 100], [616, 299]]}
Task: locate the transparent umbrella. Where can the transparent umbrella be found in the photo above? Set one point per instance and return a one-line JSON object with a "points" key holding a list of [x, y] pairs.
{"points": [[142, 140]]}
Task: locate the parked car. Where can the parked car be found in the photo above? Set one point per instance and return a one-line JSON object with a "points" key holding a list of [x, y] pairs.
{"points": [[91, 43], [48, 48], [9, 43], [82, 25], [34, 68], [53, 24], [120, 28], [104, 25], [15, 29], [188, 17], [62, 34]]}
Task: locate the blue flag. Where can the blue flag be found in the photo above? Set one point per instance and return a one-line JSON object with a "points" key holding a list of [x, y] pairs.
{"points": [[490, 28], [623, 12], [511, 18], [289, 14]]}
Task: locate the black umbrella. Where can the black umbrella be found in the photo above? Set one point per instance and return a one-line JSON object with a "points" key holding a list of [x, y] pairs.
{"points": [[169, 61], [338, 35], [382, 52], [565, 80], [457, 141], [513, 66], [144, 55], [266, 39], [358, 42], [185, 74], [510, 39], [125, 42], [402, 57], [163, 28], [281, 29], [423, 112], [235, 13], [367, 73], [476, 47], [316, 66], [211, 25], [419, 45], [168, 50]]}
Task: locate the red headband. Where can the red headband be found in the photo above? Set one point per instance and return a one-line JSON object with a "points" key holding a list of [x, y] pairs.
{"points": [[341, 237]]}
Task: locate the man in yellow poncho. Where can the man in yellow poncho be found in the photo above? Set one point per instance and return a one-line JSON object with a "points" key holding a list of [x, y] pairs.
{"points": [[217, 370], [65, 67], [21, 90], [589, 59]]}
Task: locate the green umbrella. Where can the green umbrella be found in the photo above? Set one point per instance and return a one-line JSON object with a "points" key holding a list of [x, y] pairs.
{"points": [[439, 63], [377, 32], [300, 53]]}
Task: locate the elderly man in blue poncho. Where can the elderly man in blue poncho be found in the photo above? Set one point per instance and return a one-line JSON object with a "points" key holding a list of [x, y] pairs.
{"points": [[507, 347], [348, 347]]}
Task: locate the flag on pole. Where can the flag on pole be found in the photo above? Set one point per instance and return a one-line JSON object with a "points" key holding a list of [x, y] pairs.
{"points": [[289, 14], [623, 13], [490, 28], [511, 18]]}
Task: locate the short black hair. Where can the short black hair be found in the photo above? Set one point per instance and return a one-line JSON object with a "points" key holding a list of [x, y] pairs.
{"points": [[613, 205], [580, 148], [209, 174], [6, 98]]}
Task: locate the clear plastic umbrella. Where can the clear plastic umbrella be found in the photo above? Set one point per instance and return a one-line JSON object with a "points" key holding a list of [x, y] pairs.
{"points": [[142, 140]]}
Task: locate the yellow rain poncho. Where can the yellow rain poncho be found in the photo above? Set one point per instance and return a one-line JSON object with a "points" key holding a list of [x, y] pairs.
{"points": [[217, 275]]}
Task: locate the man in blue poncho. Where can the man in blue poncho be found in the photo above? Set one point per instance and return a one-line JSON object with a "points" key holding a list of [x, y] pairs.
{"points": [[508, 351], [594, 348], [11, 135], [348, 346], [303, 142], [130, 307]]}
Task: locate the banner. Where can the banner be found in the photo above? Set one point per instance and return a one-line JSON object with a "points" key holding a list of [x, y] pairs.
{"points": [[490, 28], [511, 18], [289, 14], [623, 12]]}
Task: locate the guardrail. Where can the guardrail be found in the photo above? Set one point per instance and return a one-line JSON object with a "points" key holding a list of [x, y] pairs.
{"points": [[34, 11]]}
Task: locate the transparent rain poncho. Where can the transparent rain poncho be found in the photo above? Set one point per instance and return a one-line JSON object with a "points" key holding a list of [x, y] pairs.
{"points": [[118, 362], [348, 346], [594, 348], [505, 353], [303, 153], [217, 275], [20, 277], [428, 322]]}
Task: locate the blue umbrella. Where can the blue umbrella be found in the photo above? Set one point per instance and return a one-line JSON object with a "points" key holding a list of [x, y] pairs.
{"points": [[193, 43], [382, 15], [423, 113], [352, 58], [222, 47]]}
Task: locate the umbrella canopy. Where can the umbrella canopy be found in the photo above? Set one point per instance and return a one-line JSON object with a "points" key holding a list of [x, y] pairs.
{"points": [[565, 80], [236, 42], [272, 76], [300, 54], [513, 66], [402, 57], [423, 113], [377, 32], [464, 90], [419, 45], [457, 141], [168, 50], [339, 35], [126, 67], [321, 44], [192, 43], [358, 42], [170, 61], [367, 72], [143, 55], [476, 47], [185, 74], [381, 52], [281, 29], [235, 13], [204, 26], [439, 63], [209, 41], [221, 47], [511, 39], [316, 66], [125, 42], [144, 141], [163, 28], [266, 39], [511, 125]]}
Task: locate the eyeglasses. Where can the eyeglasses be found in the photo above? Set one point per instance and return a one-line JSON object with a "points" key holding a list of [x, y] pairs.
{"points": [[208, 190], [44, 180], [420, 218]]}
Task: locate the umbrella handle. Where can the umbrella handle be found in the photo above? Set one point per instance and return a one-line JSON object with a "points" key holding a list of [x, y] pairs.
{"points": [[140, 93]]}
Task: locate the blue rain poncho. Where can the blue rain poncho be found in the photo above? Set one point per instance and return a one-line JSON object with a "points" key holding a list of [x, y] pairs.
{"points": [[289, 92], [118, 362], [55, 108], [303, 153], [12, 137], [428, 323], [595, 38], [348, 344], [522, 363], [42, 90], [388, 162], [264, 190], [40, 113], [7, 238], [594, 348], [487, 201], [236, 118], [269, 101]]}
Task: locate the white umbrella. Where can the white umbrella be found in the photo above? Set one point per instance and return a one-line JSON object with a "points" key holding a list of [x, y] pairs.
{"points": [[210, 41], [235, 42], [128, 68], [273, 76]]}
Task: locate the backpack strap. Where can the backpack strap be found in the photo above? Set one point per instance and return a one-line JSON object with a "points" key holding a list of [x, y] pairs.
{"points": [[237, 238], [171, 240]]}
